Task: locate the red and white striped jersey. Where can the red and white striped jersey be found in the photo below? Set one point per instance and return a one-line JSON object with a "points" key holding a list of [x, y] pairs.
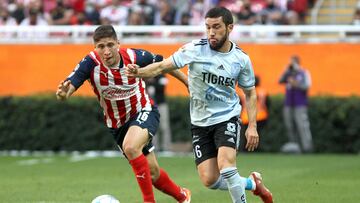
{"points": [[120, 97]]}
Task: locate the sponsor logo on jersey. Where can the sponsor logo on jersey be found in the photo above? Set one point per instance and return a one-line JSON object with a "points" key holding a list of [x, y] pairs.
{"points": [[115, 93], [213, 94]]}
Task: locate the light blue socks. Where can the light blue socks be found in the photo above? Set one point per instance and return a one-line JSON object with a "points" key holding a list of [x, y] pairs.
{"points": [[220, 184], [235, 185]]}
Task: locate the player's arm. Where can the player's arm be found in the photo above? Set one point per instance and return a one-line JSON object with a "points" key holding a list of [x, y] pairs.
{"points": [[251, 132], [154, 67], [151, 70], [246, 81], [81, 73], [149, 65]]}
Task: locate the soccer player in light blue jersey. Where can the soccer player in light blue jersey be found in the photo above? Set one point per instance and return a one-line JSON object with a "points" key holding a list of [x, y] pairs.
{"points": [[216, 65]]}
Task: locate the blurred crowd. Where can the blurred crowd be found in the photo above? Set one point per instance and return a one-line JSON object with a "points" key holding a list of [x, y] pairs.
{"points": [[148, 12], [356, 18]]}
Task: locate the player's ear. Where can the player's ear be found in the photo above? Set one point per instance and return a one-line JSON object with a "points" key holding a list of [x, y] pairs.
{"points": [[230, 27]]}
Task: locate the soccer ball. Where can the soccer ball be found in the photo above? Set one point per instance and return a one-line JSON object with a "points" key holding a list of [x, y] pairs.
{"points": [[105, 199]]}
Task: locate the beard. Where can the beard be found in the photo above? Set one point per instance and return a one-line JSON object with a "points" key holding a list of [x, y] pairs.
{"points": [[220, 43]]}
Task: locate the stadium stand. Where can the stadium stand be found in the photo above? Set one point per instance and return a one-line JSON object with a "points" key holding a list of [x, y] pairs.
{"points": [[72, 21], [334, 12], [170, 12]]}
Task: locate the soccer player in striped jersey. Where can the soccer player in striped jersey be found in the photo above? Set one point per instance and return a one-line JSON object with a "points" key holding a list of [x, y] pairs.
{"points": [[215, 66], [128, 110]]}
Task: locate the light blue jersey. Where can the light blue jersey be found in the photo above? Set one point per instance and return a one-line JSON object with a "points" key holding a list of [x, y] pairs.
{"points": [[212, 79]]}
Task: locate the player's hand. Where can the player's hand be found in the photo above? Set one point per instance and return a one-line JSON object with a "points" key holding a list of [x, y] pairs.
{"points": [[131, 70], [62, 90], [252, 138]]}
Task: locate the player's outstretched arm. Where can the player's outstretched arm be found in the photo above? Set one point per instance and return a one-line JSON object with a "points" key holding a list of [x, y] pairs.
{"points": [[151, 70], [65, 90]]}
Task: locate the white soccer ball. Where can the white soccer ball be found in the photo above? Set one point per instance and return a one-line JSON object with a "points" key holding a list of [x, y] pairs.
{"points": [[105, 199]]}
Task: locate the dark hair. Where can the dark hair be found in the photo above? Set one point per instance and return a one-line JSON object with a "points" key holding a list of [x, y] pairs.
{"points": [[221, 12], [104, 31]]}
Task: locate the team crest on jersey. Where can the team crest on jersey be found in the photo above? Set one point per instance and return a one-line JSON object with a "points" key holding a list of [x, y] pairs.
{"points": [[231, 127], [212, 94], [115, 93]]}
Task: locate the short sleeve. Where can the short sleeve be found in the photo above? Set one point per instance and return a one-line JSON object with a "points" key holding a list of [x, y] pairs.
{"points": [[246, 79], [144, 58], [185, 55]]}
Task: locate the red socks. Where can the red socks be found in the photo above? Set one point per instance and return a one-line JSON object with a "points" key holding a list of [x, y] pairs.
{"points": [[166, 185], [141, 170]]}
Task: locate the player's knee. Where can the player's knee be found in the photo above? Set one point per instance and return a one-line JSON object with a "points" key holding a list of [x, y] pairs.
{"points": [[131, 151], [209, 183], [208, 179]]}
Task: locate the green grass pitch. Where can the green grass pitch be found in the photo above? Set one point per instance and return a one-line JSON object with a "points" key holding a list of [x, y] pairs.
{"points": [[291, 178]]}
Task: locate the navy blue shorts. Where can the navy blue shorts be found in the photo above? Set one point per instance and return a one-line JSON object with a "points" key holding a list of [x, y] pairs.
{"points": [[207, 140], [146, 120]]}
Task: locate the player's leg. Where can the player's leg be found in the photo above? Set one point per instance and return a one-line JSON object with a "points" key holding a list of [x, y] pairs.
{"points": [[209, 173], [205, 156], [227, 138], [149, 122], [227, 166], [135, 140], [164, 183], [236, 182]]}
